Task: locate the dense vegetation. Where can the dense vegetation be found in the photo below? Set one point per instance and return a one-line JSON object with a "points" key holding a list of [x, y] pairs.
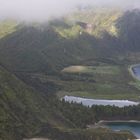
{"points": [[23, 110], [34, 60], [83, 116]]}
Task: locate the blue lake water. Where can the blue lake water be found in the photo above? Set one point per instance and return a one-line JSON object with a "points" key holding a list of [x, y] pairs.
{"points": [[90, 102], [136, 71], [134, 127]]}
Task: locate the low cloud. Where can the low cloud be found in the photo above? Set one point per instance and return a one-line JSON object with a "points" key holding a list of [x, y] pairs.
{"points": [[44, 9]]}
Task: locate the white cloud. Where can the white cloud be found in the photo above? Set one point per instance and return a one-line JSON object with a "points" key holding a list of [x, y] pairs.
{"points": [[44, 9]]}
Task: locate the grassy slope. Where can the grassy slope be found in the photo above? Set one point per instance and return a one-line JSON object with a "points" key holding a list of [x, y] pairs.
{"points": [[101, 19], [7, 27], [31, 49], [99, 82], [23, 111]]}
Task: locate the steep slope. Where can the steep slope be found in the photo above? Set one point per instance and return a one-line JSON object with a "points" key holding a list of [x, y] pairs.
{"points": [[34, 49], [129, 29], [23, 111]]}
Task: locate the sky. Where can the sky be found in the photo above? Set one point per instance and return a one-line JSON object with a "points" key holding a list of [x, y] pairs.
{"points": [[44, 9]]}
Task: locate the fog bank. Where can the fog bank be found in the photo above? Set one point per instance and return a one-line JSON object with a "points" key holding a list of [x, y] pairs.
{"points": [[44, 9]]}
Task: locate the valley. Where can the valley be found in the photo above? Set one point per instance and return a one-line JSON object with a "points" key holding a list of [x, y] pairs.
{"points": [[100, 82]]}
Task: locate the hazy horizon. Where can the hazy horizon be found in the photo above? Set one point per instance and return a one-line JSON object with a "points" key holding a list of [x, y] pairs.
{"points": [[40, 10]]}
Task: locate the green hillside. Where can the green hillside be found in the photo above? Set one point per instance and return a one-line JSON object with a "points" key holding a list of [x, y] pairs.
{"points": [[23, 110], [101, 20], [7, 27]]}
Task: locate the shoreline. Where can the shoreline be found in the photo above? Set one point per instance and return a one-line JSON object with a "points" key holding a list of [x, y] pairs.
{"points": [[89, 102], [102, 122]]}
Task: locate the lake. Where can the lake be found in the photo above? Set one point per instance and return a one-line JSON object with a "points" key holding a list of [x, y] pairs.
{"points": [[134, 127], [37, 139], [90, 102], [136, 71]]}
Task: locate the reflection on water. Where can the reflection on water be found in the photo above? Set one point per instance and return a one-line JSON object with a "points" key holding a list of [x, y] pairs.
{"points": [[90, 102], [134, 127]]}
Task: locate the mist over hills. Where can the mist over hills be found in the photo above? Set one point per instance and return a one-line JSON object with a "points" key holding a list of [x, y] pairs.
{"points": [[48, 47], [44, 10]]}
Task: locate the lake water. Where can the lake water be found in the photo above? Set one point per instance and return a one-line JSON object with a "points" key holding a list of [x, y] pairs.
{"points": [[136, 71], [90, 102], [134, 127], [37, 139]]}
